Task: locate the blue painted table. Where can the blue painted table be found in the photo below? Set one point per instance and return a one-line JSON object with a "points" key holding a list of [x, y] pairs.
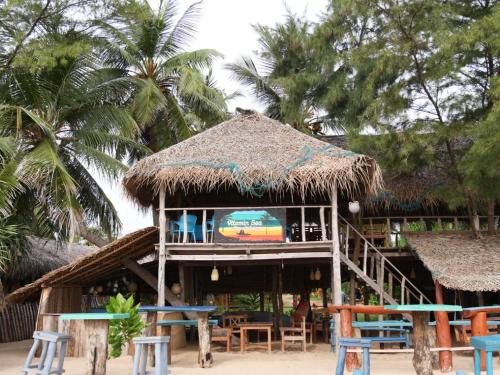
{"points": [[205, 358], [422, 360], [489, 344], [96, 326]]}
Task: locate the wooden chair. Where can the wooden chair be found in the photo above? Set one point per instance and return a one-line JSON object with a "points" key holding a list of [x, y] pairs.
{"points": [[300, 314], [223, 335], [294, 334], [233, 321]]}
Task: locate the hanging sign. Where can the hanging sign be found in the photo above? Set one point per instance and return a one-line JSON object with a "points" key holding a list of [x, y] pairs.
{"points": [[256, 225]]}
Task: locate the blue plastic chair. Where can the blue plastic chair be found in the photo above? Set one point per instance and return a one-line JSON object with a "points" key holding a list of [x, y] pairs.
{"points": [[178, 227]]}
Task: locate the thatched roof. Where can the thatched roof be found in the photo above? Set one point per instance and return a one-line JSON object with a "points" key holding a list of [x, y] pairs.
{"points": [[254, 154], [459, 261], [402, 192], [45, 256], [84, 270]]}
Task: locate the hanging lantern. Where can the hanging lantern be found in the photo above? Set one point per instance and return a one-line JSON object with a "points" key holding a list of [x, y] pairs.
{"points": [[176, 288], [312, 275], [317, 274], [229, 270], [354, 207], [214, 276]]}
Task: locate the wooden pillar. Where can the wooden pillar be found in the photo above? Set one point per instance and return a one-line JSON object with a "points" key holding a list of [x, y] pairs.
{"points": [[345, 315], [336, 276], [97, 333], [479, 327], [355, 258], [205, 356], [274, 297], [443, 332], [422, 360], [162, 257], [182, 282], [280, 295]]}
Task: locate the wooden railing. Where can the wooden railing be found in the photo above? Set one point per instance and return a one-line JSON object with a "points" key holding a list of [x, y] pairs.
{"points": [[378, 267], [318, 229]]}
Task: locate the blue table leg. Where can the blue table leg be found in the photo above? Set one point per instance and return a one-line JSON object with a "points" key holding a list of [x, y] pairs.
{"points": [[477, 362], [341, 361], [489, 363], [366, 361]]}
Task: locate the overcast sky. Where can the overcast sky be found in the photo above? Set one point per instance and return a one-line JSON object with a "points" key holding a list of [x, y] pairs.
{"points": [[225, 25]]}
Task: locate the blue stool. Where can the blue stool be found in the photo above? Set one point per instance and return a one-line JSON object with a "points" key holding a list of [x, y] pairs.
{"points": [[344, 343], [489, 344], [332, 335]]}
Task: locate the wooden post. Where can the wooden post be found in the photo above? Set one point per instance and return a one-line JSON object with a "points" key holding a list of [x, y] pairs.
{"points": [[403, 290], [204, 226], [336, 276], [205, 356], [479, 327], [182, 282], [380, 275], [280, 296], [390, 284], [346, 331], [422, 360], [322, 222], [185, 234], [303, 222], [365, 256], [162, 256], [274, 297], [443, 332], [97, 339]]}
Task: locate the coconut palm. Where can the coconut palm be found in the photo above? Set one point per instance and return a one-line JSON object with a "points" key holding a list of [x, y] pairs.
{"points": [[58, 127], [172, 96], [284, 74]]}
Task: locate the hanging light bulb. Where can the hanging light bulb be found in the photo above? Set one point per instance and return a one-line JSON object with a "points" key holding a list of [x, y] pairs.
{"points": [[214, 276], [354, 207], [229, 270], [312, 275], [317, 274]]}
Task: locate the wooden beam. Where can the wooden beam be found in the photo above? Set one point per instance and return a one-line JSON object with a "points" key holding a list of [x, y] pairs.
{"points": [[153, 282], [162, 256], [322, 222], [303, 223], [248, 257]]}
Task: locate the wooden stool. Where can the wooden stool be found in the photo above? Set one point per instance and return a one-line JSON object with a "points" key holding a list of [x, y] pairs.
{"points": [[489, 344], [141, 355], [345, 343], [49, 342]]}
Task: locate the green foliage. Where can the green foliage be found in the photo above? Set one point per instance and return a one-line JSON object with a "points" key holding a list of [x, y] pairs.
{"points": [[248, 301], [122, 331]]}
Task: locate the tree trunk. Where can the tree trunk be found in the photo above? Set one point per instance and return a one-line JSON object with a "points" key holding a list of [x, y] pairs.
{"points": [[2, 297], [84, 232], [491, 217]]}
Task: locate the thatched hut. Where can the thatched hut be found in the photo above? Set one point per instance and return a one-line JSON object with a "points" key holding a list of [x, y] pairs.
{"points": [[255, 156]]}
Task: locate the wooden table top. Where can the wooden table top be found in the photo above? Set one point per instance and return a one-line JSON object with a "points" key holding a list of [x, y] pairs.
{"points": [[362, 309], [255, 325]]}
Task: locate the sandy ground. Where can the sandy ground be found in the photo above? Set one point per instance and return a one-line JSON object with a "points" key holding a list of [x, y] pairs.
{"points": [[318, 361]]}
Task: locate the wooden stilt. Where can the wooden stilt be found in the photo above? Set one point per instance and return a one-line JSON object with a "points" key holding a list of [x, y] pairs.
{"points": [[336, 276], [97, 339], [352, 360], [205, 356], [422, 361], [443, 333], [274, 296], [280, 296], [162, 257]]}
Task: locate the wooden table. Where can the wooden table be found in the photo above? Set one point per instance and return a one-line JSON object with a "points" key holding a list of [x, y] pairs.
{"points": [[346, 311], [422, 361], [255, 326], [205, 358], [478, 317], [97, 327]]}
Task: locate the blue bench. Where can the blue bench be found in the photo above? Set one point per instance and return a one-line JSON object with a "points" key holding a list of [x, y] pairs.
{"points": [[387, 326], [489, 344]]}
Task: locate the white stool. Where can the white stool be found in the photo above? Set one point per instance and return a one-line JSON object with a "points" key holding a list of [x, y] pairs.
{"points": [[49, 342], [141, 355]]}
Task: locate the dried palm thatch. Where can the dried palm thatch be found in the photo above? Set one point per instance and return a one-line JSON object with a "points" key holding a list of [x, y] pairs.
{"points": [[46, 255], [255, 154], [87, 268], [459, 261]]}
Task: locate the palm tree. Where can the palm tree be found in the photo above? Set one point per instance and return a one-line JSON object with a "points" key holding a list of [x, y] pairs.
{"points": [[173, 96], [58, 126], [285, 75]]}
